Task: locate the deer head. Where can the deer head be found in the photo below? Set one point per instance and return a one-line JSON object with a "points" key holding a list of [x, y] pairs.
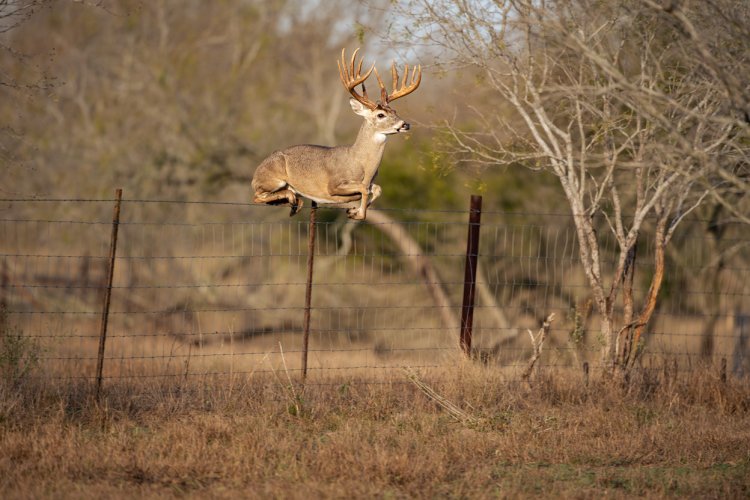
{"points": [[379, 115]]}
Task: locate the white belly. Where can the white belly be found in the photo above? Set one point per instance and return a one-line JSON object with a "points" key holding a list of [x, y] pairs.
{"points": [[324, 201]]}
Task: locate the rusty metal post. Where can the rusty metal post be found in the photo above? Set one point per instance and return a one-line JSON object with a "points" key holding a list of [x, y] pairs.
{"points": [[585, 373], [308, 290], [470, 273], [4, 282], [108, 291]]}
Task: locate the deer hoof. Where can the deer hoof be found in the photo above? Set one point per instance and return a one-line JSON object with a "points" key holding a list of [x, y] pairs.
{"points": [[296, 207], [356, 214]]}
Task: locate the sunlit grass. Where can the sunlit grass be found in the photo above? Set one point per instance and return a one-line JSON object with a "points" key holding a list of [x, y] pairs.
{"points": [[265, 436]]}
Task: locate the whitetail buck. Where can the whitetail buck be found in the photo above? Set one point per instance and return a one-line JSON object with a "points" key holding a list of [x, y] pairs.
{"points": [[341, 174]]}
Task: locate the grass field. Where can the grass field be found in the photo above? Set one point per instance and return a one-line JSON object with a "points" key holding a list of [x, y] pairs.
{"points": [[661, 436]]}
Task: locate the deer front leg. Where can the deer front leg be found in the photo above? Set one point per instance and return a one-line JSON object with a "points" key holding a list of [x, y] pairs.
{"points": [[375, 192], [349, 188]]}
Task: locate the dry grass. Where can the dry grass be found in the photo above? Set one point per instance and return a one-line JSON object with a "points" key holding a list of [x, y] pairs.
{"points": [[686, 436]]}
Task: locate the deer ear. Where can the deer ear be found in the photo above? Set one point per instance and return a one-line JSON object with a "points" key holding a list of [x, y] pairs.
{"points": [[358, 107]]}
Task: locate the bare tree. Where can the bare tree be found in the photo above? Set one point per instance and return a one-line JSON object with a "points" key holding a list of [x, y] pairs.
{"points": [[602, 96], [170, 96], [715, 35], [14, 12]]}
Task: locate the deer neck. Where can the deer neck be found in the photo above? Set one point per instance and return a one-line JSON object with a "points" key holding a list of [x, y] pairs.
{"points": [[368, 149]]}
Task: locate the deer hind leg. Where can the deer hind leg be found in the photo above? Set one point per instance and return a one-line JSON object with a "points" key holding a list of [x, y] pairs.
{"points": [[277, 192]]}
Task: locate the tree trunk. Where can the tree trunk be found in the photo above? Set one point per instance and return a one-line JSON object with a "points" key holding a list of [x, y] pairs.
{"points": [[626, 334], [649, 306], [712, 302], [418, 262]]}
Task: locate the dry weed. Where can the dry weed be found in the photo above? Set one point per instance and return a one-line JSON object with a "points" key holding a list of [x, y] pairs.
{"points": [[686, 436]]}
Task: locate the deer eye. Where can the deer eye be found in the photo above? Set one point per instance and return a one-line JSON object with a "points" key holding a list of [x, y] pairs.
{"points": [[381, 115]]}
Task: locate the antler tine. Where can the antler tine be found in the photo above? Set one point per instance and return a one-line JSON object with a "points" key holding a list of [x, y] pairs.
{"points": [[364, 92], [383, 91], [394, 75], [342, 68], [359, 72], [353, 61], [351, 76]]}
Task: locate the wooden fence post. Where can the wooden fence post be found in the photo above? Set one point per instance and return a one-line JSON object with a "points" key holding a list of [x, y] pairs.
{"points": [[470, 273], [308, 289], [108, 291]]}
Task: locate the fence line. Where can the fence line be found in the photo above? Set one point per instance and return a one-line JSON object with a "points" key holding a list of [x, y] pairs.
{"points": [[162, 201], [223, 294]]}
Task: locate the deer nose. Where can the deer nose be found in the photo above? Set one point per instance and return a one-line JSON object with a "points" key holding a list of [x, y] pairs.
{"points": [[404, 126]]}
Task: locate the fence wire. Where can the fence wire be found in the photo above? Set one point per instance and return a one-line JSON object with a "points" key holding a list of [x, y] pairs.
{"points": [[204, 288]]}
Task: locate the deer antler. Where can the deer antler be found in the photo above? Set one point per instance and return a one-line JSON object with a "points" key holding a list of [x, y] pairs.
{"points": [[414, 81], [351, 78]]}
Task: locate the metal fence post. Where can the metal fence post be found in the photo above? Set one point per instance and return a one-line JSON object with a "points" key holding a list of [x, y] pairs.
{"points": [[4, 279], [470, 273], [308, 289], [108, 291], [585, 373]]}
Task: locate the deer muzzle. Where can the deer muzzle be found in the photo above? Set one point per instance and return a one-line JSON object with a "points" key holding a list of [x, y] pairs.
{"points": [[404, 127]]}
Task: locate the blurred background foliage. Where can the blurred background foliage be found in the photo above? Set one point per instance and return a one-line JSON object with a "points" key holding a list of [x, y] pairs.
{"points": [[182, 99]]}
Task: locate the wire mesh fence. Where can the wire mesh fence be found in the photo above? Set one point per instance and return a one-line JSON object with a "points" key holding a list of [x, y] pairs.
{"points": [[204, 288]]}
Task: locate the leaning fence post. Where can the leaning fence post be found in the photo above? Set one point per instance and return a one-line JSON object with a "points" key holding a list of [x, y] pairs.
{"points": [[470, 272], [308, 289], [108, 291]]}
